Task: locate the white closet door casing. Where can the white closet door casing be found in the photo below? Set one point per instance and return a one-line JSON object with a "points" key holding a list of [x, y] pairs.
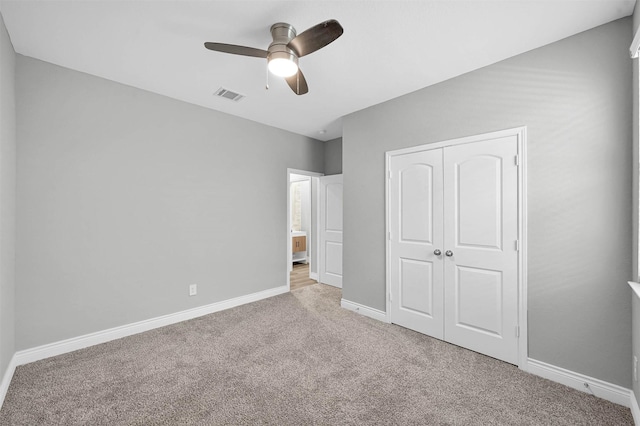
{"points": [[481, 229], [415, 213], [331, 230]]}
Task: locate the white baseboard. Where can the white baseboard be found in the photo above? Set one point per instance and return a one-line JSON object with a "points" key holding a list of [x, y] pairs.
{"points": [[69, 345], [6, 379], [313, 275], [635, 409], [597, 387], [364, 310]]}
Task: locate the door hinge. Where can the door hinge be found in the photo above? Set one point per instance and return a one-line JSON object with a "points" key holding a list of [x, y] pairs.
{"points": [[389, 235], [390, 297], [390, 174], [517, 160], [517, 245], [517, 331]]}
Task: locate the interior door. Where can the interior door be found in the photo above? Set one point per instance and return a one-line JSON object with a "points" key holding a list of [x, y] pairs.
{"points": [[481, 258], [331, 230], [416, 241]]}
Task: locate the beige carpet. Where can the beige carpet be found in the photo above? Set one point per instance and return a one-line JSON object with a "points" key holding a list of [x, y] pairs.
{"points": [[295, 359]]}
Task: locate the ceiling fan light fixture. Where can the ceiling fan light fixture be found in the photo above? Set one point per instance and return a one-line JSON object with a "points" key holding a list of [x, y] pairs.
{"points": [[287, 46], [283, 64]]}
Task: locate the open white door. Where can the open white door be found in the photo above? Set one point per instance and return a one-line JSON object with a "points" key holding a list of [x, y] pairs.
{"points": [[331, 230]]}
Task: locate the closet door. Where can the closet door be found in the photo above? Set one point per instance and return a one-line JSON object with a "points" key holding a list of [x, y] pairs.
{"points": [[481, 259], [415, 220]]}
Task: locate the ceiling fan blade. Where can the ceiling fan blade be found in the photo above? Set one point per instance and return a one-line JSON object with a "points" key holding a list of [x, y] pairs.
{"points": [[236, 50], [316, 37], [298, 83]]}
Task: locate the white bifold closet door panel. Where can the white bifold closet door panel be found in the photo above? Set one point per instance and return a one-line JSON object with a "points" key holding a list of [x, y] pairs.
{"points": [[453, 256], [481, 229], [416, 218]]}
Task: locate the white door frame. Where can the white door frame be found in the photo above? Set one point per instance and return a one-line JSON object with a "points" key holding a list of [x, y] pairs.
{"points": [[313, 206], [521, 134]]}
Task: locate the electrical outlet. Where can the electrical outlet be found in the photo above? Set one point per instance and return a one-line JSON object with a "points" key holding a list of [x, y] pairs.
{"points": [[193, 289], [635, 368]]}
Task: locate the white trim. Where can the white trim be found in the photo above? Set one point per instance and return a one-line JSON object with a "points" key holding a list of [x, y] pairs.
{"points": [[521, 134], [313, 275], [302, 178], [6, 379], [316, 238], [516, 131], [80, 342], [364, 310], [387, 230], [304, 172], [635, 287], [597, 387], [523, 343], [635, 410]]}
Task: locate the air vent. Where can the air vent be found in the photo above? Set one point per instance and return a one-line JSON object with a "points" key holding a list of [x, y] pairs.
{"points": [[228, 94]]}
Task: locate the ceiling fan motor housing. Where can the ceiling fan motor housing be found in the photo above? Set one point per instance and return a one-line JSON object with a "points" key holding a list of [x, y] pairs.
{"points": [[282, 34]]}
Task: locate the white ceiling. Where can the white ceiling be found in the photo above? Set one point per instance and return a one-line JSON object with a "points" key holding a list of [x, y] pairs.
{"points": [[389, 48]]}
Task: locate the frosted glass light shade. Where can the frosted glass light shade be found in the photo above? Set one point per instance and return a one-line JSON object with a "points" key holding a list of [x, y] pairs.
{"points": [[283, 67]]}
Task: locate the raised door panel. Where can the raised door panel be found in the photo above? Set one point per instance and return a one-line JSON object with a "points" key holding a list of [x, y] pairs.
{"points": [[416, 203], [415, 218], [479, 201], [415, 293], [334, 258], [333, 207], [479, 287]]}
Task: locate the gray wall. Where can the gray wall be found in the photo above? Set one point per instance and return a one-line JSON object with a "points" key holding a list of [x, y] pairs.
{"points": [[7, 197], [126, 197], [635, 327], [574, 96], [333, 157]]}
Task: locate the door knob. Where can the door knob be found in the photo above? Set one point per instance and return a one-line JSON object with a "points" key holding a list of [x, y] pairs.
{"points": [[448, 253], [437, 252]]}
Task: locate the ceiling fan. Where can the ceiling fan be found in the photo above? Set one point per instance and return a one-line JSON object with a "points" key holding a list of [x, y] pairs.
{"points": [[283, 53]]}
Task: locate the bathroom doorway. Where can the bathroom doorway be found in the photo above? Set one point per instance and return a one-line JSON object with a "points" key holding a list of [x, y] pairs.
{"points": [[302, 228]]}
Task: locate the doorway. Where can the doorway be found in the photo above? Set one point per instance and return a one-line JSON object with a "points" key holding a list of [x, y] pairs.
{"points": [[302, 228], [455, 246]]}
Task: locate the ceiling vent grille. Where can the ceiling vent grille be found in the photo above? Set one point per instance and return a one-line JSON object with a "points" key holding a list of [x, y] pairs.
{"points": [[228, 94]]}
